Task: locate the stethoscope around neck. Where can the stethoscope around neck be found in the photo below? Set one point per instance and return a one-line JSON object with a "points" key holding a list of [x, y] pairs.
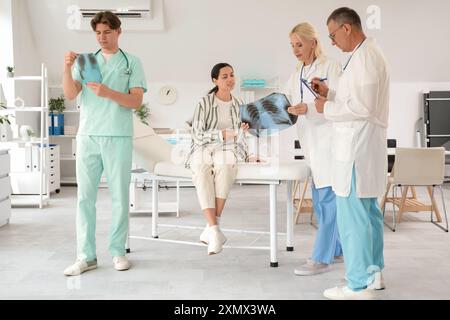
{"points": [[127, 70]]}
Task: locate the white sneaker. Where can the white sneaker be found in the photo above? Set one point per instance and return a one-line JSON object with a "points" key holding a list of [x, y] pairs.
{"points": [[121, 263], [311, 268], [204, 234], [378, 282], [216, 240], [339, 259], [79, 267], [345, 293]]}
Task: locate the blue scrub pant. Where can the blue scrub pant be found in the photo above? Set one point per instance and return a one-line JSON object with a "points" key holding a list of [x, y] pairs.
{"points": [[360, 223], [327, 245]]}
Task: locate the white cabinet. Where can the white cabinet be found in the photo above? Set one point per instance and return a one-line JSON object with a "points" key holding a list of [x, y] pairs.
{"points": [[67, 142], [34, 114], [27, 182], [5, 188]]}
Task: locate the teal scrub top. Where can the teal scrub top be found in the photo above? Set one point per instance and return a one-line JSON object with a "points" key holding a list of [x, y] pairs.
{"points": [[104, 117]]}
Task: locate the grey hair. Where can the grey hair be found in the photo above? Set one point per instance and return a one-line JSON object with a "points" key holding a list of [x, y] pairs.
{"points": [[345, 15]]}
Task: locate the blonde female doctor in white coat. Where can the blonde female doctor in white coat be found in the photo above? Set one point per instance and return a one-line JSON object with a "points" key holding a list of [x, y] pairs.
{"points": [[315, 138]]}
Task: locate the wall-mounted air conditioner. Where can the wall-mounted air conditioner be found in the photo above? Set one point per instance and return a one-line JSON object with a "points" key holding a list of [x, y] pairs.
{"points": [[134, 9], [136, 15]]}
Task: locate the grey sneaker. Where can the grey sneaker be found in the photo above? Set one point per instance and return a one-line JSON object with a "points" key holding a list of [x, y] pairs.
{"points": [[339, 259], [311, 268], [79, 267]]}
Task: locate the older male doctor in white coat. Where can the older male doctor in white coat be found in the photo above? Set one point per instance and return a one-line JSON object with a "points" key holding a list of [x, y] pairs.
{"points": [[359, 111]]}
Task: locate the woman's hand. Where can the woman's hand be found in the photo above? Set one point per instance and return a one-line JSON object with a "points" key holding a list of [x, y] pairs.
{"points": [[298, 110], [245, 127], [256, 159], [228, 134]]}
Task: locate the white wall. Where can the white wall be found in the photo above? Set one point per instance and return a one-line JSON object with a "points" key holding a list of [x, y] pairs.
{"points": [[6, 47], [27, 61], [252, 35]]}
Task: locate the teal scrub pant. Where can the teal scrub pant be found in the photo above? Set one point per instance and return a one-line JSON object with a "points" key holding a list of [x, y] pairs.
{"points": [[360, 224], [327, 244], [96, 154]]}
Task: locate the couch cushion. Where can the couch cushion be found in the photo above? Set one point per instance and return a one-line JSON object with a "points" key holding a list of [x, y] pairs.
{"points": [[298, 170]]}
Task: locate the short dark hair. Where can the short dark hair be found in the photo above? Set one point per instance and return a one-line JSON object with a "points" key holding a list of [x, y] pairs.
{"points": [[345, 15], [108, 18]]}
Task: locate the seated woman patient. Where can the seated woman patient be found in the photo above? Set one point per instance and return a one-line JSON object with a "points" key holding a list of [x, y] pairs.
{"points": [[218, 143]]}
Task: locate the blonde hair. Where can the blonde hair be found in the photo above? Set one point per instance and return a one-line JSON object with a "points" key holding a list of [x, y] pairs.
{"points": [[306, 31]]}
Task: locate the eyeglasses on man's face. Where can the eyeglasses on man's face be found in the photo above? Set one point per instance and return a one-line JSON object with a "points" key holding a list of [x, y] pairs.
{"points": [[333, 34]]}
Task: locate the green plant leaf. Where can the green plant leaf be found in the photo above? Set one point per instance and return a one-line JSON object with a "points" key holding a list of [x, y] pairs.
{"points": [[57, 104], [143, 113]]}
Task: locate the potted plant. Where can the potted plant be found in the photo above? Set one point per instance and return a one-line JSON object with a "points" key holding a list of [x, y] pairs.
{"points": [[31, 134], [5, 126], [143, 113], [10, 72], [56, 107]]}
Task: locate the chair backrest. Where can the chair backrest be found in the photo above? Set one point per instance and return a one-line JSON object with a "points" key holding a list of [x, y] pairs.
{"points": [[419, 166]]}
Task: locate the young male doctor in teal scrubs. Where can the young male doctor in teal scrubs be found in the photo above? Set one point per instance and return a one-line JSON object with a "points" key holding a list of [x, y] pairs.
{"points": [[104, 140]]}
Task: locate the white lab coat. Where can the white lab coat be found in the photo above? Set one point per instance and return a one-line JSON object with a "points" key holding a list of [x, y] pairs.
{"points": [[314, 131], [359, 110]]}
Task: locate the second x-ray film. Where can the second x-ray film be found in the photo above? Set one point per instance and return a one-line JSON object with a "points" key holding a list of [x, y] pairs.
{"points": [[268, 114]]}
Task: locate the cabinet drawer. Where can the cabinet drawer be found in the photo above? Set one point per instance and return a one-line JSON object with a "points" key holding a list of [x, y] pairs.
{"points": [[4, 164], [5, 188]]}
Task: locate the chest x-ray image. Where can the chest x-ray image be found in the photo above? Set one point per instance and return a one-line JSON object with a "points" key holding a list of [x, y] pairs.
{"points": [[268, 114], [89, 68]]}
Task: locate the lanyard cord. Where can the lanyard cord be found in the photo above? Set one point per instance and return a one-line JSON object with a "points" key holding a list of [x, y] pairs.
{"points": [[346, 65], [303, 80]]}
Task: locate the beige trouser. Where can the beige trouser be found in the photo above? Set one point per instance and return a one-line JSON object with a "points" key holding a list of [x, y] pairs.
{"points": [[213, 174]]}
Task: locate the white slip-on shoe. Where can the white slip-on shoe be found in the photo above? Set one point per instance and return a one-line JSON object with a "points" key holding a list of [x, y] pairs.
{"points": [[311, 268], [79, 267], [216, 240], [121, 263], [204, 234], [378, 282], [345, 293]]}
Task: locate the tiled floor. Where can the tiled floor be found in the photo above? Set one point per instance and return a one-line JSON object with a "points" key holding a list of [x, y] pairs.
{"points": [[38, 244]]}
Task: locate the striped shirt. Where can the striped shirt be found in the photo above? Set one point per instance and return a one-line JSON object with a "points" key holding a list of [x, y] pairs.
{"points": [[205, 128]]}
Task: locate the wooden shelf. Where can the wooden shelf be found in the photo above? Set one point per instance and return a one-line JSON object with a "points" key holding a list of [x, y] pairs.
{"points": [[64, 136], [67, 158], [28, 78], [27, 109], [68, 180]]}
